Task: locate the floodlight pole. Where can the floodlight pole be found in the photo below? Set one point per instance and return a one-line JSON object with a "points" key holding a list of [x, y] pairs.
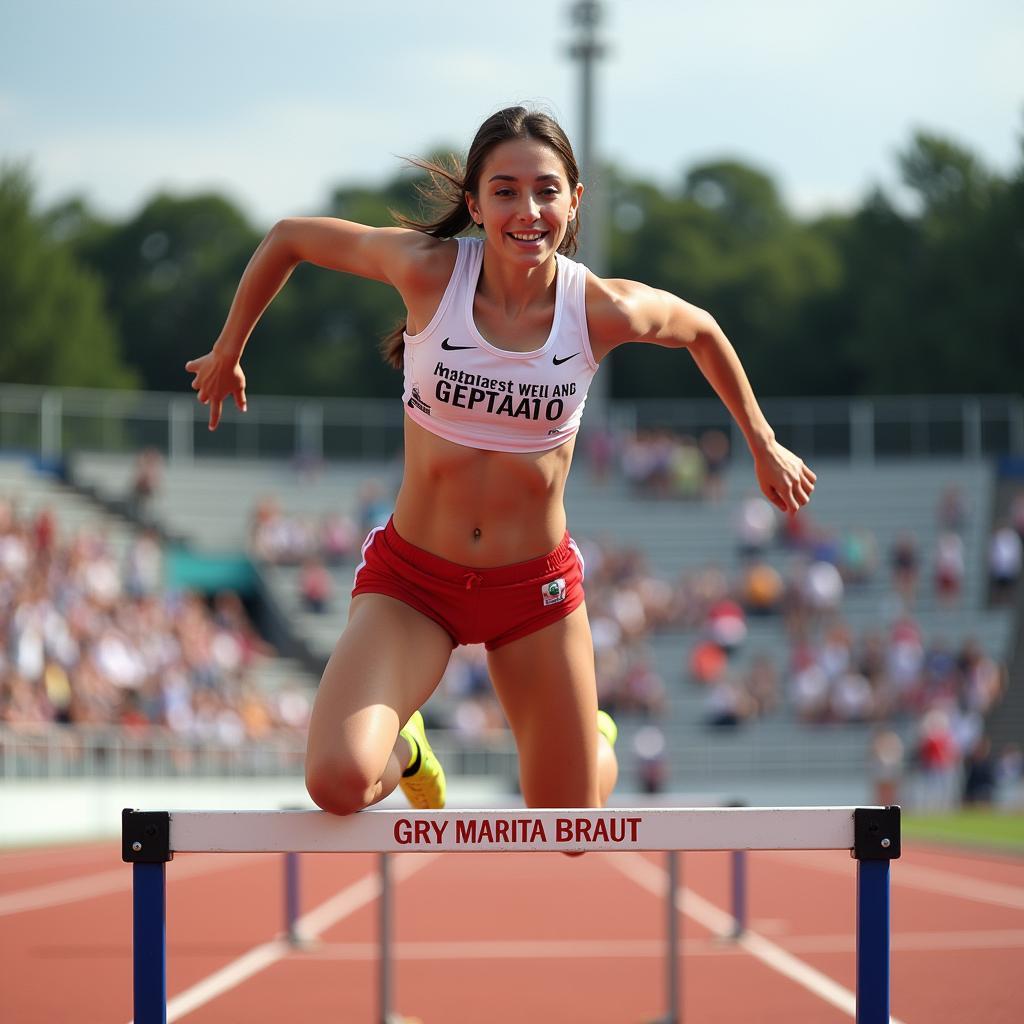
{"points": [[587, 49]]}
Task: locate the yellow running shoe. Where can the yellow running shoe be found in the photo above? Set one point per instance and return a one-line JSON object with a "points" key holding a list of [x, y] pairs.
{"points": [[606, 727], [425, 787]]}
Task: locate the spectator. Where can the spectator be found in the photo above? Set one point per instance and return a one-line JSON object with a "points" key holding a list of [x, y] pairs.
{"points": [[145, 485], [143, 568], [761, 589], [727, 704], [601, 452], [809, 694], [1009, 773], [652, 767], [315, 586], [726, 625], [1017, 512], [885, 766], [755, 528], [858, 556], [714, 446], [949, 568], [762, 683], [707, 663], [983, 679], [904, 658], [1005, 556], [374, 507], [851, 698], [836, 654], [686, 469], [905, 564], [952, 512], [938, 757], [823, 589], [339, 540], [979, 774]]}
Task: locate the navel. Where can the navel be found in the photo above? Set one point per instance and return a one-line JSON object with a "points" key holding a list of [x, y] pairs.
{"points": [[476, 533]]}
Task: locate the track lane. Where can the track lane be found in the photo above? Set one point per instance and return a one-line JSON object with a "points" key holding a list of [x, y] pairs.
{"points": [[969, 970]]}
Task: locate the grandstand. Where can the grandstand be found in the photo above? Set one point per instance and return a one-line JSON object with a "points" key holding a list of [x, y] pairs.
{"points": [[209, 503]]}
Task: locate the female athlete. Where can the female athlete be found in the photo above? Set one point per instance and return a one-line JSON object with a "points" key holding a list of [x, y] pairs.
{"points": [[503, 335]]}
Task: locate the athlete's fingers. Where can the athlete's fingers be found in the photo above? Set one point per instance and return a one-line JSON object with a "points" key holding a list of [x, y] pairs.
{"points": [[240, 399], [215, 407]]}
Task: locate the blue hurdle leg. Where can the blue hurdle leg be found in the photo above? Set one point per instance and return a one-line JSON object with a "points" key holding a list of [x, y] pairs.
{"points": [[872, 942], [149, 896]]}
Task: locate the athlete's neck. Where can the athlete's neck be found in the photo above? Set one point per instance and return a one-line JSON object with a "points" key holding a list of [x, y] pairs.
{"points": [[513, 289]]}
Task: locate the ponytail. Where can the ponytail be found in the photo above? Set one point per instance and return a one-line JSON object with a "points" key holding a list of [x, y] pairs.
{"points": [[445, 191]]}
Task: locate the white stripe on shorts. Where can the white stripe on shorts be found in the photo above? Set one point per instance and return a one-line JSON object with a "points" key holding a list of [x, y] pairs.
{"points": [[583, 568], [362, 553]]}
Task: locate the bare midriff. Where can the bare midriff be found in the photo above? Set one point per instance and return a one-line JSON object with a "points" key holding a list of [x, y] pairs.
{"points": [[481, 508]]}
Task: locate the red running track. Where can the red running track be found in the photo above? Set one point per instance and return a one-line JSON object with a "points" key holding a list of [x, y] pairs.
{"points": [[510, 938]]}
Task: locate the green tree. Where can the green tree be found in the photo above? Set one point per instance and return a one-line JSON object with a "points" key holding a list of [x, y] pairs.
{"points": [[929, 301], [170, 274], [727, 243], [53, 326]]}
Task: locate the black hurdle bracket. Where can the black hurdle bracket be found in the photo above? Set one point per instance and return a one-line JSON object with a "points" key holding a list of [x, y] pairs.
{"points": [[145, 837], [876, 833]]}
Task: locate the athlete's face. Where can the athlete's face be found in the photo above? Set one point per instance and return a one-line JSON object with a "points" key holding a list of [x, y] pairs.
{"points": [[524, 201]]}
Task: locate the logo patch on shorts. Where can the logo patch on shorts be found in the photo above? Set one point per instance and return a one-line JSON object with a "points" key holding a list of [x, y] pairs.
{"points": [[553, 592]]}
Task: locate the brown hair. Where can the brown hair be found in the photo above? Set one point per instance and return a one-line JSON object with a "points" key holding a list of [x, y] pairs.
{"points": [[447, 186]]}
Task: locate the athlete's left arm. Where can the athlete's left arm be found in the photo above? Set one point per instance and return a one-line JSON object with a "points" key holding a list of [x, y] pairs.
{"points": [[621, 311]]}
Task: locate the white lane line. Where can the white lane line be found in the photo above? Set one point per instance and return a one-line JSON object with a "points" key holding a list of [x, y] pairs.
{"points": [[260, 957], [103, 883], [934, 880], [581, 949], [654, 879], [49, 858]]}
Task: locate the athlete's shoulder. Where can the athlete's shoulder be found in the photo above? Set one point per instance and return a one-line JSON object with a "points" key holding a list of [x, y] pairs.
{"points": [[615, 310], [427, 261]]}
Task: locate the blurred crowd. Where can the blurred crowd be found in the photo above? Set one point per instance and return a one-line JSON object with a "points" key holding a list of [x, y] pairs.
{"points": [[790, 570], [91, 639], [659, 463]]}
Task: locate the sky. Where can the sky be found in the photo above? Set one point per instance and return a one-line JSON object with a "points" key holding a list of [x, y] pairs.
{"points": [[275, 102]]}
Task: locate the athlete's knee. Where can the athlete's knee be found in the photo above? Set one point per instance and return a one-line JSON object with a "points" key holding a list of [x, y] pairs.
{"points": [[340, 786]]}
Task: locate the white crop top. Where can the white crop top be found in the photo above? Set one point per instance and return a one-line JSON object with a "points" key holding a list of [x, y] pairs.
{"points": [[466, 390]]}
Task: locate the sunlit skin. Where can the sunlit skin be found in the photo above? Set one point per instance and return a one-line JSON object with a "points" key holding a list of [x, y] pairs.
{"points": [[474, 507]]}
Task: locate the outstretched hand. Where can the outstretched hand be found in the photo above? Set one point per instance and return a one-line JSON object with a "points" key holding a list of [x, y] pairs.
{"points": [[785, 481], [217, 377]]}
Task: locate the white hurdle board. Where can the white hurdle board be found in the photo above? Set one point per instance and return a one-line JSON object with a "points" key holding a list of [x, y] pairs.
{"points": [[514, 829]]}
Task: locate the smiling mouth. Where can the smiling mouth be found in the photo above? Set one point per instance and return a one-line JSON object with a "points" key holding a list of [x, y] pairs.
{"points": [[527, 236]]}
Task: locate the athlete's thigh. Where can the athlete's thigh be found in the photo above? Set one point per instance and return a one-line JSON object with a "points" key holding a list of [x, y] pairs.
{"points": [[386, 664], [548, 689]]}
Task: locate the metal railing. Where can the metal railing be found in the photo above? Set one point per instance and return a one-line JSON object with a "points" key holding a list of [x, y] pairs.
{"points": [[54, 422], [155, 752]]}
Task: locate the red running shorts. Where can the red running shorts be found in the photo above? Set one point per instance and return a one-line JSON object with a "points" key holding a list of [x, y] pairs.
{"points": [[488, 606]]}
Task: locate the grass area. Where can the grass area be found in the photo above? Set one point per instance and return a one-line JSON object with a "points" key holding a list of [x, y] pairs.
{"points": [[996, 830]]}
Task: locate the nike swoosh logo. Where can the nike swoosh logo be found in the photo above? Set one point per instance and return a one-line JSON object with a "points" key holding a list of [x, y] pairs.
{"points": [[558, 362], [453, 348]]}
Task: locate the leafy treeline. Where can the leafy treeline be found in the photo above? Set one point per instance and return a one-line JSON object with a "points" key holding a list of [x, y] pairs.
{"points": [[925, 295]]}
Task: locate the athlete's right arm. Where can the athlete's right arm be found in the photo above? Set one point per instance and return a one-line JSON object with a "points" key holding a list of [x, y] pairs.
{"points": [[390, 255]]}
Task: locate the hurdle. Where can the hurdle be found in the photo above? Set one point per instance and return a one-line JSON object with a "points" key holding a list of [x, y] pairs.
{"points": [[871, 835]]}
